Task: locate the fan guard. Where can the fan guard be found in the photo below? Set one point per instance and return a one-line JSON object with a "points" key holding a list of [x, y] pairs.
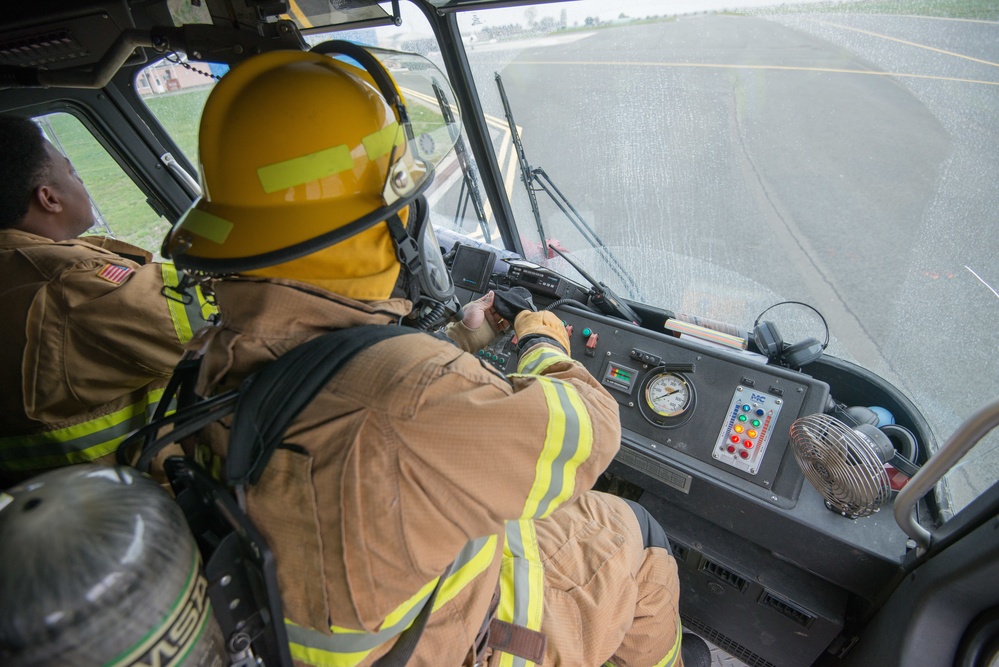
{"points": [[842, 464]]}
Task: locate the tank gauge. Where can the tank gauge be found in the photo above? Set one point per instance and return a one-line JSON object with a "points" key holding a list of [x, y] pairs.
{"points": [[668, 398]]}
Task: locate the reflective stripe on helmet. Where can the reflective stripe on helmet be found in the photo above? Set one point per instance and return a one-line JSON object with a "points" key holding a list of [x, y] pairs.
{"points": [[306, 168], [522, 580], [346, 647], [79, 443]]}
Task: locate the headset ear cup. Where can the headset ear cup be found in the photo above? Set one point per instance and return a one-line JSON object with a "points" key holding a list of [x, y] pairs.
{"points": [[802, 353], [903, 440], [767, 339]]}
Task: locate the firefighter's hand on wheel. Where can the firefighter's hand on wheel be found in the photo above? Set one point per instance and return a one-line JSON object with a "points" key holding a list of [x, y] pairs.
{"points": [[543, 323]]}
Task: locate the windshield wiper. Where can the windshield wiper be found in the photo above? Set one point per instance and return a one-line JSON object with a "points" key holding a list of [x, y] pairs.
{"points": [[535, 179], [469, 187]]}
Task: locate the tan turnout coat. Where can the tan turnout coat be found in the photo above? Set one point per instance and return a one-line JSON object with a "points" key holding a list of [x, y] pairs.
{"points": [[416, 451], [83, 353]]}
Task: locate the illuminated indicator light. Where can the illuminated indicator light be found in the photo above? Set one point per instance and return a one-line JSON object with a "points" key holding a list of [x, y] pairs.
{"points": [[759, 411], [751, 433], [586, 332], [756, 423], [731, 449], [738, 428], [742, 418], [744, 454], [748, 444], [735, 439], [618, 373], [746, 407]]}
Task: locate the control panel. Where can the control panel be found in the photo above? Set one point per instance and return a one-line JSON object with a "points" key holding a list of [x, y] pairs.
{"points": [[720, 413], [743, 440]]}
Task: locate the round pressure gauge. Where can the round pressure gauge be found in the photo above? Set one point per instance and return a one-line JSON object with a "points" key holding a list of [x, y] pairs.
{"points": [[668, 398]]}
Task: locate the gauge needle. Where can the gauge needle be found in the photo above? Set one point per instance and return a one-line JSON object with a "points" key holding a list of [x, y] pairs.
{"points": [[666, 392]]}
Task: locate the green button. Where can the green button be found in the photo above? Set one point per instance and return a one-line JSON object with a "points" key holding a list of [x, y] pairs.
{"points": [[586, 332], [756, 422], [742, 418]]}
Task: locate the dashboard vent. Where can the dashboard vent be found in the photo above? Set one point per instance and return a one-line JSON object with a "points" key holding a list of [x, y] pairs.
{"points": [[787, 608], [679, 551], [724, 574]]}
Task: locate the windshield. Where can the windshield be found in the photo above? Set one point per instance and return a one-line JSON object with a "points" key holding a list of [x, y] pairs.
{"points": [[732, 155], [717, 158]]}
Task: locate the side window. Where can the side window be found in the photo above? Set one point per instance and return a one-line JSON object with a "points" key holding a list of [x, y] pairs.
{"points": [[175, 92], [120, 207]]}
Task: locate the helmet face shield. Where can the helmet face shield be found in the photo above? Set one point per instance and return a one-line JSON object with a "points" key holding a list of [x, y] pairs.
{"points": [[435, 279], [431, 129]]}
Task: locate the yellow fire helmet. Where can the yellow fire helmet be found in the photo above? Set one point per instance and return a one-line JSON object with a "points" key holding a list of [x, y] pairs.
{"points": [[304, 154]]}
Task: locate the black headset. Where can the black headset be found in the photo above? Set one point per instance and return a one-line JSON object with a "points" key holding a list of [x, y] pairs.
{"points": [[769, 341]]}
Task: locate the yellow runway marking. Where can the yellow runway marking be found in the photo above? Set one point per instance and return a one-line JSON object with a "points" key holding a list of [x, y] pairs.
{"points": [[908, 43], [789, 68], [506, 149], [299, 14]]}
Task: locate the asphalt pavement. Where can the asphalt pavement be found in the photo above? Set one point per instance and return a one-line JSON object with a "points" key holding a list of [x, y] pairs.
{"points": [[732, 161]]}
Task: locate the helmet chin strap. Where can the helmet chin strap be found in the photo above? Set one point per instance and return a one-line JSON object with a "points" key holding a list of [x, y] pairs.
{"points": [[408, 252]]}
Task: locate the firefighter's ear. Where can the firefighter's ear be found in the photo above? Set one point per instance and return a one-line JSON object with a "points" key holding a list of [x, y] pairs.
{"points": [[47, 198]]}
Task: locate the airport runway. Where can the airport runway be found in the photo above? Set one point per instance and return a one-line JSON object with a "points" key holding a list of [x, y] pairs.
{"points": [[735, 161]]}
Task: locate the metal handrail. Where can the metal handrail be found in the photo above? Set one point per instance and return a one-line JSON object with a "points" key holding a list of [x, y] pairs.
{"points": [[964, 438]]}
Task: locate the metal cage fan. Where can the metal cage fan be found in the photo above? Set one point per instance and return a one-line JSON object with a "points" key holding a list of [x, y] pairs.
{"points": [[846, 465]]}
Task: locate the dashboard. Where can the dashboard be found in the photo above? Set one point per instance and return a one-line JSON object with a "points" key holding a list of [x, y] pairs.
{"points": [[706, 449], [725, 414]]}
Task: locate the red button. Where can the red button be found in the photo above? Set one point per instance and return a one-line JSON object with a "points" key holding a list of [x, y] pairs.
{"points": [[744, 454], [748, 444], [731, 449], [735, 439]]}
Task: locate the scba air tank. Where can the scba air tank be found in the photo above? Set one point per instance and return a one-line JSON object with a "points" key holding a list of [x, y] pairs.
{"points": [[98, 567]]}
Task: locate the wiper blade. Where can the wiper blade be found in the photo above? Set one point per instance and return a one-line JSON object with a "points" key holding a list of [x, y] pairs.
{"points": [[536, 176]]}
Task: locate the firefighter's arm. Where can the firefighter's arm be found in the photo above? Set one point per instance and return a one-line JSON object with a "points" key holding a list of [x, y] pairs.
{"points": [[518, 448], [100, 330]]}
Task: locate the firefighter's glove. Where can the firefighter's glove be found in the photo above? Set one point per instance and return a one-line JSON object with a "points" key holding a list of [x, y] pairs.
{"points": [[511, 302], [534, 327]]}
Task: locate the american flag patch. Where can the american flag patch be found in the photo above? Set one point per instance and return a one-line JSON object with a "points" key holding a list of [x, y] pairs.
{"points": [[114, 273]]}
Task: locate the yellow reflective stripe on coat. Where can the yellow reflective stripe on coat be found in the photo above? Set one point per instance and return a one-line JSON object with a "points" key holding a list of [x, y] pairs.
{"points": [[79, 443], [187, 317], [346, 647], [522, 584], [671, 656], [568, 443], [539, 358]]}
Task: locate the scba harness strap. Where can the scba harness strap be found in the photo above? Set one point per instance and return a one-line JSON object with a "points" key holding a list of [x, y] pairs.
{"points": [[263, 407], [237, 559]]}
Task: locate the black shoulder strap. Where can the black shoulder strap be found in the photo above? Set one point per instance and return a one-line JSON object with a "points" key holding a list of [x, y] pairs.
{"points": [[271, 398]]}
